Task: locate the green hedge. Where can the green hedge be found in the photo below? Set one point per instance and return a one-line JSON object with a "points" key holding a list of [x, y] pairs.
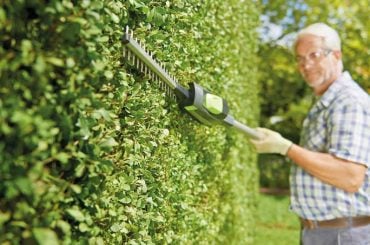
{"points": [[91, 152]]}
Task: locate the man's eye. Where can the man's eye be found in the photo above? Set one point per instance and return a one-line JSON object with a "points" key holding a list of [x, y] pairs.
{"points": [[315, 55]]}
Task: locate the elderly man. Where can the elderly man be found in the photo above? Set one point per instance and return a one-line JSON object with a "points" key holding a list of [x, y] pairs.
{"points": [[330, 185]]}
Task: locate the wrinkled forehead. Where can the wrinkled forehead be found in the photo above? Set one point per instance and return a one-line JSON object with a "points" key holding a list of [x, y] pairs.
{"points": [[308, 43]]}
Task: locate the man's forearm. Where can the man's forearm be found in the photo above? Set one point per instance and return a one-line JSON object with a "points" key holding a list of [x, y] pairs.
{"points": [[340, 173]]}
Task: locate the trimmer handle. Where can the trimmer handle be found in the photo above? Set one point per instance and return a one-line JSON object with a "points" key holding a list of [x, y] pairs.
{"points": [[247, 130], [209, 109]]}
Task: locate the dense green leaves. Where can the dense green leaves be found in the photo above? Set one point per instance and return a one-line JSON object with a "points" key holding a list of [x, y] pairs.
{"points": [[92, 152]]}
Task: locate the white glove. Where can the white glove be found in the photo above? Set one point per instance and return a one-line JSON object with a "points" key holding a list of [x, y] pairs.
{"points": [[271, 142]]}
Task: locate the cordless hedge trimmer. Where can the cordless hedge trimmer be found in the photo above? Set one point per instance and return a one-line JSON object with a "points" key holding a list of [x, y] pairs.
{"points": [[204, 106]]}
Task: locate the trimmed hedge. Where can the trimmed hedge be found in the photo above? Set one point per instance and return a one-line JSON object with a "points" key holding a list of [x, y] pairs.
{"points": [[92, 152]]}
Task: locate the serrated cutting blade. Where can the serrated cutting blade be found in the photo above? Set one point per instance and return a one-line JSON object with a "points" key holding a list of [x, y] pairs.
{"points": [[137, 56]]}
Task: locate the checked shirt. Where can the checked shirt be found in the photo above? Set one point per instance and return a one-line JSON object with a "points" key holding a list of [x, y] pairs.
{"points": [[339, 124]]}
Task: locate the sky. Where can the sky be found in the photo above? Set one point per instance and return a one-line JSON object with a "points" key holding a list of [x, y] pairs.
{"points": [[270, 31]]}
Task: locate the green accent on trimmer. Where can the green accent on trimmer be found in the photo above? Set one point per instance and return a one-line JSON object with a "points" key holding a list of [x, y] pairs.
{"points": [[213, 103]]}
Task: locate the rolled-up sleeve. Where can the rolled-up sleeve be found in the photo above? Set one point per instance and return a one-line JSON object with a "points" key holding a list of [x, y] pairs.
{"points": [[349, 133]]}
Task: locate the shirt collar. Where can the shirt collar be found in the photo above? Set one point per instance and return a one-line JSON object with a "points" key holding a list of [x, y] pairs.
{"points": [[337, 85]]}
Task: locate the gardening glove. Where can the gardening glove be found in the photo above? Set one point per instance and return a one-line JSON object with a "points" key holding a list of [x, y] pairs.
{"points": [[271, 142]]}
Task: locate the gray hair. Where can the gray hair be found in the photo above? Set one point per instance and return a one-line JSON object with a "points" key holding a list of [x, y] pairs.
{"points": [[329, 35]]}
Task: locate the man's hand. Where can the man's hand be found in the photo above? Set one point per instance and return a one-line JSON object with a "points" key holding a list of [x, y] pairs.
{"points": [[271, 142]]}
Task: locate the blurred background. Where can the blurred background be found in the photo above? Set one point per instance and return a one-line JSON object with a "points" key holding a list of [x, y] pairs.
{"points": [[285, 98]]}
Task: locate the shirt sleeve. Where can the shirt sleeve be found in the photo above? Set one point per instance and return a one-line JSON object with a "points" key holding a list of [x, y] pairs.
{"points": [[349, 133]]}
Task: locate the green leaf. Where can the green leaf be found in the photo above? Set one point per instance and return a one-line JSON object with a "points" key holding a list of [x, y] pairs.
{"points": [[102, 39], [115, 227], [119, 228], [64, 226], [63, 157], [108, 143], [108, 74], [80, 169], [76, 188], [24, 185], [114, 18], [45, 236], [55, 61], [126, 187], [26, 46], [84, 124], [96, 241], [4, 217], [83, 227], [76, 214], [2, 17], [125, 200], [136, 4], [70, 62]]}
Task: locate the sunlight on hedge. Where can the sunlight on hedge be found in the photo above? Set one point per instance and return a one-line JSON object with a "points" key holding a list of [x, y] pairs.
{"points": [[93, 152]]}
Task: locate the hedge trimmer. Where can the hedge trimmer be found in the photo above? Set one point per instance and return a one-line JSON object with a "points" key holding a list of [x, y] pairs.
{"points": [[204, 106]]}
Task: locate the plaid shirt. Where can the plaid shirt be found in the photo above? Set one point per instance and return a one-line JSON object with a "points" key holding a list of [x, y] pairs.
{"points": [[338, 124]]}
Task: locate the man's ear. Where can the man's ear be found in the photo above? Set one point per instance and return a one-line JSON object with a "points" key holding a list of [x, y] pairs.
{"points": [[338, 54]]}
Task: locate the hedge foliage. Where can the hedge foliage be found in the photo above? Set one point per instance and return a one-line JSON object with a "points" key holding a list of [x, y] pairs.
{"points": [[92, 152]]}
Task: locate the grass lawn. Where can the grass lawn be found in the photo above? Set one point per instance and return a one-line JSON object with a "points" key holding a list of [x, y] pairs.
{"points": [[276, 225]]}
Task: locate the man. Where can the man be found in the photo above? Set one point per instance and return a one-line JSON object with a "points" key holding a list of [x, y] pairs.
{"points": [[330, 177]]}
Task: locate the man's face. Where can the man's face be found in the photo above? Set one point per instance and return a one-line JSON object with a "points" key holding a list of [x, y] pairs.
{"points": [[316, 63]]}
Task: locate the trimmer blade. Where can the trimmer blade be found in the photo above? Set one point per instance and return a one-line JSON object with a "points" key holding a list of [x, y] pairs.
{"points": [[135, 54]]}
